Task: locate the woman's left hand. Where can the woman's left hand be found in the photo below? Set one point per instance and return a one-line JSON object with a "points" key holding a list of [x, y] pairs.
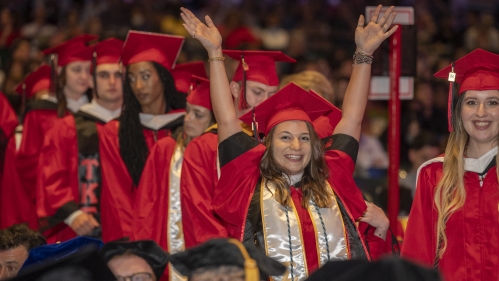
{"points": [[369, 37], [375, 216]]}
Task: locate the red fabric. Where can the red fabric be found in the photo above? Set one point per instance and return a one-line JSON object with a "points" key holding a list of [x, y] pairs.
{"points": [[37, 80], [151, 206], [308, 231], [198, 181], [118, 190], [16, 205], [200, 92], [36, 125], [58, 179], [72, 50], [10, 38], [472, 249], [232, 203], [8, 117]]}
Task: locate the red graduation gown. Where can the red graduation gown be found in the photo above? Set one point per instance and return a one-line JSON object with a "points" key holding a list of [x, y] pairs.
{"points": [[473, 248], [8, 123], [58, 181], [118, 190], [238, 182], [197, 186], [15, 203]]}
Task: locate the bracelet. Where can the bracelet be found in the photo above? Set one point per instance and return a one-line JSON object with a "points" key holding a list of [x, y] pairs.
{"points": [[216, 59], [359, 58]]}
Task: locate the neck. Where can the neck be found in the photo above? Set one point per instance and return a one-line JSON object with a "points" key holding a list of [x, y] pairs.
{"points": [[476, 150], [110, 105], [72, 95], [155, 108]]}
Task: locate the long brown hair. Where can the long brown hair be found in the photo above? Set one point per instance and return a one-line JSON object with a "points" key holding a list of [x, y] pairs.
{"points": [[450, 194], [62, 104], [314, 176]]}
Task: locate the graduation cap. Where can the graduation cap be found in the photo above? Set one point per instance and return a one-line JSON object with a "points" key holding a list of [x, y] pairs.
{"points": [[151, 252], [147, 46], [478, 70], [200, 92], [290, 103], [70, 50], [36, 81], [256, 66], [50, 252], [182, 74], [389, 269], [324, 125], [83, 264], [220, 252]]}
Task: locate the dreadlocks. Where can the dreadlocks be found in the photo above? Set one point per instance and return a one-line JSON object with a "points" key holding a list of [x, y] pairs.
{"points": [[133, 147]]}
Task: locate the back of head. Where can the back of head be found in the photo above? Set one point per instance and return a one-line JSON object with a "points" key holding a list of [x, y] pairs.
{"points": [[20, 235], [311, 80]]}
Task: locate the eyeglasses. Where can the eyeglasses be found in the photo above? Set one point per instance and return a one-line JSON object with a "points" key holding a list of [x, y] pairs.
{"points": [[140, 276]]}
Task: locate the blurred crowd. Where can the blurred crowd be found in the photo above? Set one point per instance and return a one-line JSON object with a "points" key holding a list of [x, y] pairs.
{"points": [[316, 33]]}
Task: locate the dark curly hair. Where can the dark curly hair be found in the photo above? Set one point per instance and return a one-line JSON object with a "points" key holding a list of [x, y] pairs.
{"points": [[20, 235], [133, 147]]}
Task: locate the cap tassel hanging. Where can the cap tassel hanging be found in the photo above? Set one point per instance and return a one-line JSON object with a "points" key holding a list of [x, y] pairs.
{"points": [[243, 103], [23, 100], [251, 270], [450, 101], [94, 77], [53, 74]]}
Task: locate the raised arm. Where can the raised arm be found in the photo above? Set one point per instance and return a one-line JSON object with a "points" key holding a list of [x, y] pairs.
{"points": [[367, 38], [221, 98]]}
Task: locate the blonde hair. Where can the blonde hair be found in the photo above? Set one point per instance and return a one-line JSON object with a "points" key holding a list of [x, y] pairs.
{"points": [[311, 80], [450, 194]]}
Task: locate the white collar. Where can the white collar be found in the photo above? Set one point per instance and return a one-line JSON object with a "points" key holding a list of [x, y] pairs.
{"points": [[293, 179], [156, 122], [479, 165], [49, 98], [74, 105], [95, 109]]}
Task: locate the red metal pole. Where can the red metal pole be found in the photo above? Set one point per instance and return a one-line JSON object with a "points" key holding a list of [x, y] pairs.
{"points": [[394, 128]]}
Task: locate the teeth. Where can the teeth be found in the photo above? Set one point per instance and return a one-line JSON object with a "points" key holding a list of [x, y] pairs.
{"points": [[293, 156], [482, 123]]}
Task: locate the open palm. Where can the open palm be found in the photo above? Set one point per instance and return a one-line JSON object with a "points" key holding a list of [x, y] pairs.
{"points": [[207, 34], [369, 37]]}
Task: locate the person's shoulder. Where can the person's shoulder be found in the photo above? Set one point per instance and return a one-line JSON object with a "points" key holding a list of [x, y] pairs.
{"points": [[164, 144], [208, 139], [112, 127]]}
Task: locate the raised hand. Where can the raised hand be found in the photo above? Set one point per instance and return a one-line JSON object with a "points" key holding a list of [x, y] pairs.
{"points": [[369, 37], [207, 34]]}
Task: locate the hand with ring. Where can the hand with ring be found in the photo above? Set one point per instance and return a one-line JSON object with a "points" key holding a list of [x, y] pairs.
{"points": [[207, 34], [369, 38]]}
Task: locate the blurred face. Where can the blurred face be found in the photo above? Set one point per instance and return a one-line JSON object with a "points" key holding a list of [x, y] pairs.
{"points": [[291, 147], [145, 83], [128, 265], [109, 86], [256, 93], [480, 117], [77, 78], [196, 120], [11, 261], [418, 157]]}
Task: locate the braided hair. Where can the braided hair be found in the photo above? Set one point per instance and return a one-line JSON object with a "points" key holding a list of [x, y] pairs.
{"points": [[133, 146]]}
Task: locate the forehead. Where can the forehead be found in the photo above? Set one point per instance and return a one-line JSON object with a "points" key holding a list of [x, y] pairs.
{"points": [[254, 84], [292, 126], [196, 107], [141, 66], [108, 67], [85, 63], [19, 254], [481, 94], [129, 264]]}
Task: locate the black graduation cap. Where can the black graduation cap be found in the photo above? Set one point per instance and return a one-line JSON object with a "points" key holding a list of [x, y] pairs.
{"points": [[85, 264], [151, 252], [389, 269], [227, 252]]}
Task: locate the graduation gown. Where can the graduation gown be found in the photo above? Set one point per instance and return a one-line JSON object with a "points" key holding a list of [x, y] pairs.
{"points": [[15, 203], [238, 193], [118, 189], [473, 248], [198, 182], [69, 174], [8, 123]]}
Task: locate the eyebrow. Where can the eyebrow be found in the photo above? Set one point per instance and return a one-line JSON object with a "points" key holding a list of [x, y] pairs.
{"points": [[259, 88], [286, 132], [12, 262]]}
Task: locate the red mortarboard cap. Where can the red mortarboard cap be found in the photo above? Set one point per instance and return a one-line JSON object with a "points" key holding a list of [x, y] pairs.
{"points": [[259, 65], [200, 92], [182, 74], [36, 81], [478, 70], [109, 51], [290, 103], [147, 46], [71, 50], [325, 125]]}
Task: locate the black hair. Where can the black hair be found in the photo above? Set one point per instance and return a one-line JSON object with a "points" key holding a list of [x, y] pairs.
{"points": [[133, 147]]}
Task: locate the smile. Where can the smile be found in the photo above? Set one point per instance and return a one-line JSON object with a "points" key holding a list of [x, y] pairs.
{"points": [[293, 157], [481, 124]]}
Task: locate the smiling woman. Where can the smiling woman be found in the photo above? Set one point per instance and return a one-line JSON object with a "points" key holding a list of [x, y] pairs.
{"points": [[457, 194]]}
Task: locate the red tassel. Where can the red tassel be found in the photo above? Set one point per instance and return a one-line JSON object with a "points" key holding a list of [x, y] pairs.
{"points": [[449, 108]]}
